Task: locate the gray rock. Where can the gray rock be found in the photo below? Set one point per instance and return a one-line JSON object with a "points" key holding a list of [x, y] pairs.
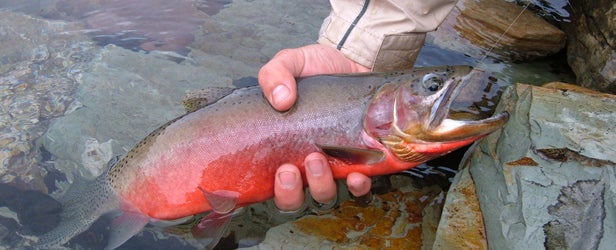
{"points": [[591, 49], [547, 180]]}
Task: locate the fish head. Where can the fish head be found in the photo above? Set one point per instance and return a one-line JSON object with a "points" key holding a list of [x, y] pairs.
{"points": [[409, 114]]}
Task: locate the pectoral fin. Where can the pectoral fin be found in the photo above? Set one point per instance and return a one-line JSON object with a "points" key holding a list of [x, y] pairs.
{"points": [[197, 99], [354, 155]]}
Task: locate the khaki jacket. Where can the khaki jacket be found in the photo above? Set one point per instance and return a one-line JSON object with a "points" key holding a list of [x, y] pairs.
{"points": [[382, 34]]}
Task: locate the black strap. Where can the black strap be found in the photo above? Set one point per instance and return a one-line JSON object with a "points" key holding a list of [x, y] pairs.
{"points": [[346, 35]]}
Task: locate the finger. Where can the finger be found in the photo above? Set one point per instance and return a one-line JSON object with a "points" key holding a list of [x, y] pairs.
{"points": [[320, 178], [277, 78], [358, 184], [288, 188], [321, 59]]}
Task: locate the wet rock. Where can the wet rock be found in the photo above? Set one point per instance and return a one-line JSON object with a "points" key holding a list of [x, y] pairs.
{"points": [[39, 62], [461, 225], [591, 39], [393, 220], [579, 210], [546, 180], [479, 27]]}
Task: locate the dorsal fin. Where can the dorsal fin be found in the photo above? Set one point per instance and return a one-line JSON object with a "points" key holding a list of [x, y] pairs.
{"points": [[196, 99], [354, 155]]}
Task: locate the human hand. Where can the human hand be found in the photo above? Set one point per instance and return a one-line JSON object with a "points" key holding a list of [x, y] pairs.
{"points": [[289, 189], [277, 80], [277, 77]]}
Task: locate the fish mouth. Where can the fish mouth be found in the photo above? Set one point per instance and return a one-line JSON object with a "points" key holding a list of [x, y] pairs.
{"points": [[435, 126], [440, 128]]}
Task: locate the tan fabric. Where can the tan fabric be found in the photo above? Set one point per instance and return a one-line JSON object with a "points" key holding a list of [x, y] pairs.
{"points": [[387, 35]]}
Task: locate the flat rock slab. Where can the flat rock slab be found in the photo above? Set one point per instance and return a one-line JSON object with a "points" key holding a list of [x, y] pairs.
{"points": [[548, 179], [402, 219]]}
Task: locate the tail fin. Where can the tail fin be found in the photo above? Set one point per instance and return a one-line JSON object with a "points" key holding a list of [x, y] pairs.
{"points": [[83, 203]]}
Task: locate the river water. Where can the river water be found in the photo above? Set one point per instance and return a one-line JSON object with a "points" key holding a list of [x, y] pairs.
{"points": [[82, 81]]}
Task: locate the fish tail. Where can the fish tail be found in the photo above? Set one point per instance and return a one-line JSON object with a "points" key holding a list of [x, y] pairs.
{"points": [[82, 204]]}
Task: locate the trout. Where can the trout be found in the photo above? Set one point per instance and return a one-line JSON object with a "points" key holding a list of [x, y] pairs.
{"points": [[224, 152]]}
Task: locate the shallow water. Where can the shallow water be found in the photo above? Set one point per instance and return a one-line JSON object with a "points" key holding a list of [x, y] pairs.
{"points": [[82, 81]]}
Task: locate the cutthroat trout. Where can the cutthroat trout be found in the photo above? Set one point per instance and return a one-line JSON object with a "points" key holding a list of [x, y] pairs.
{"points": [[224, 152]]}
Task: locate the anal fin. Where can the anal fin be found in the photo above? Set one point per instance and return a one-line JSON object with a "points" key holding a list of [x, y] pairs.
{"points": [[212, 227], [124, 227]]}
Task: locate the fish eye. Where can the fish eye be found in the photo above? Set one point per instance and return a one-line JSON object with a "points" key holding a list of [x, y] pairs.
{"points": [[432, 82]]}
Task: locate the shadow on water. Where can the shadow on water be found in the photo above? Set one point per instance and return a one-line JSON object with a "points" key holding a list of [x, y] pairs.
{"points": [[29, 212]]}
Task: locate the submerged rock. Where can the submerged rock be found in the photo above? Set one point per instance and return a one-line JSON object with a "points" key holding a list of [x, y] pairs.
{"points": [[492, 27], [258, 27], [40, 61], [140, 25], [125, 95], [546, 180]]}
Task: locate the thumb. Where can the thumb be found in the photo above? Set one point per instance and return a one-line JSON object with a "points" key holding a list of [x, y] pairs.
{"points": [[277, 78]]}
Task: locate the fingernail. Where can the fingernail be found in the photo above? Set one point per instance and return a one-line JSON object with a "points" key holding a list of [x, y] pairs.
{"points": [[280, 93], [315, 167], [287, 179]]}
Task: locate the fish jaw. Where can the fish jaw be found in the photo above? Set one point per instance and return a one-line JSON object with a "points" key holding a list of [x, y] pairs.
{"points": [[412, 123], [441, 128]]}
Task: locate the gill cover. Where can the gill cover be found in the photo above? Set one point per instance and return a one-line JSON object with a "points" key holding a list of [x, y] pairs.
{"points": [[410, 116]]}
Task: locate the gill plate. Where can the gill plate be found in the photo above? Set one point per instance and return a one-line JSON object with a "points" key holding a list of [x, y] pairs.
{"points": [[398, 142]]}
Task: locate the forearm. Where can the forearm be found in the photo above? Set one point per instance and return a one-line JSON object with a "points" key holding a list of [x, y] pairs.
{"points": [[382, 34]]}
